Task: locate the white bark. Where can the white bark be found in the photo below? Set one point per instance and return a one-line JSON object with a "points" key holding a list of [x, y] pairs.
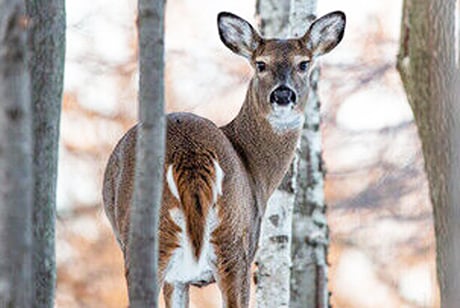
{"points": [[143, 238], [310, 236], [302, 186], [274, 254], [273, 257], [16, 176], [273, 18], [309, 225]]}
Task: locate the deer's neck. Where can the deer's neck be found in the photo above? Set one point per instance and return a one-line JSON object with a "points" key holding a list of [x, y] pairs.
{"points": [[266, 153]]}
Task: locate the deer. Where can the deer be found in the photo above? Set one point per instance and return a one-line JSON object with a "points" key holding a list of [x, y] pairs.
{"points": [[217, 180]]}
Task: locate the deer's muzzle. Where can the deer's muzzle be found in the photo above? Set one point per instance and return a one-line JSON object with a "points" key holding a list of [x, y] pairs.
{"points": [[283, 96]]}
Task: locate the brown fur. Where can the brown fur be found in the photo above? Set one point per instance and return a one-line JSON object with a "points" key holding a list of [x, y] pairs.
{"points": [[194, 173], [252, 154]]}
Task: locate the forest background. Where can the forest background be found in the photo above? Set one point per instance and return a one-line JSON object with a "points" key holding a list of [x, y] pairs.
{"points": [[382, 242]]}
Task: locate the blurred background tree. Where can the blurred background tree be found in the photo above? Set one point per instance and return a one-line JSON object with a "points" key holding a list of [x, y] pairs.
{"points": [[16, 150], [428, 62]]}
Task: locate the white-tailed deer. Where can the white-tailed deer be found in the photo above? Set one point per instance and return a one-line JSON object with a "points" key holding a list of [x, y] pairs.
{"points": [[217, 180]]}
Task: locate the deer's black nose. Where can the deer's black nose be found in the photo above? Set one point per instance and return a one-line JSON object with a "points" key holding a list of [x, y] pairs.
{"points": [[282, 96]]}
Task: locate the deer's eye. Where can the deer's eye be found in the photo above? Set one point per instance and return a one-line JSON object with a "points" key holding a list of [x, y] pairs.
{"points": [[303, 66], [261, 66]]}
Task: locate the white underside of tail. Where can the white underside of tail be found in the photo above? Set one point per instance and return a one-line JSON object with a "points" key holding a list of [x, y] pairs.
{"points": [[171, 183], [217, 185], [183, 268]]}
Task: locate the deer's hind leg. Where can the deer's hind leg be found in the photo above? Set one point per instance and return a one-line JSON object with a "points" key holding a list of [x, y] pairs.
{"points": [[176, 295], [234, 279]]}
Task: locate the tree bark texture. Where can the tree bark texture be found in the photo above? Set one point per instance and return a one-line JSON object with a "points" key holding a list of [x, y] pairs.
{"points": [[273, 256], [310, 232], [16, 174], [292, 266], [430, 74], [457, 33], [143, 241], [46, 63]]}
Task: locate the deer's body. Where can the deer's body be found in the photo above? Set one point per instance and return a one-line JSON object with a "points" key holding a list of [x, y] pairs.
{"points": [[217, 180]]}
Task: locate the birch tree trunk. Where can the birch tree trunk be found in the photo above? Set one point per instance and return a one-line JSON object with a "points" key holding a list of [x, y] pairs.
{"points": [[430, 74], [143, 241], [310, 232], [16, 175], [46, 63], [301, 282], [273, 256]]}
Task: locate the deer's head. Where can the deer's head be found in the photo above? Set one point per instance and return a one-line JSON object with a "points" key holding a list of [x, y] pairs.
{"points": [[282, 66]]}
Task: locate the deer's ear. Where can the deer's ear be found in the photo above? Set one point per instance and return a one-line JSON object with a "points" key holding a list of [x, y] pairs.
{"points": [[325, 33], [237, 34]]}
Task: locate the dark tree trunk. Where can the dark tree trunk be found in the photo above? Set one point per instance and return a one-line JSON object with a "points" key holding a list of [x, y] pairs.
{"points": [[46, 63], [430, 74], [16, 174], [143, 241]]}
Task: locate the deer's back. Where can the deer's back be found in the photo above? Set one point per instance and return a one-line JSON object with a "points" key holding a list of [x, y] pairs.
{"points": [[192, 142]]}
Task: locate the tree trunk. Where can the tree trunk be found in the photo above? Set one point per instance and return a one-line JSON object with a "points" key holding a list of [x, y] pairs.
{"points": [[47, 53], [273, 256], [16, 176], [430, 74], [143, 241], [303, 236], [310, 232]]}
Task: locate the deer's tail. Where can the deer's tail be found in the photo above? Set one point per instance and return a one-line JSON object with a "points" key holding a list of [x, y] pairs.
{"points": [[198, 183]]}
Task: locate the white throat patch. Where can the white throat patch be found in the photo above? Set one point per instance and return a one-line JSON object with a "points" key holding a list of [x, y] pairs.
{"points": [[284, 118]]}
